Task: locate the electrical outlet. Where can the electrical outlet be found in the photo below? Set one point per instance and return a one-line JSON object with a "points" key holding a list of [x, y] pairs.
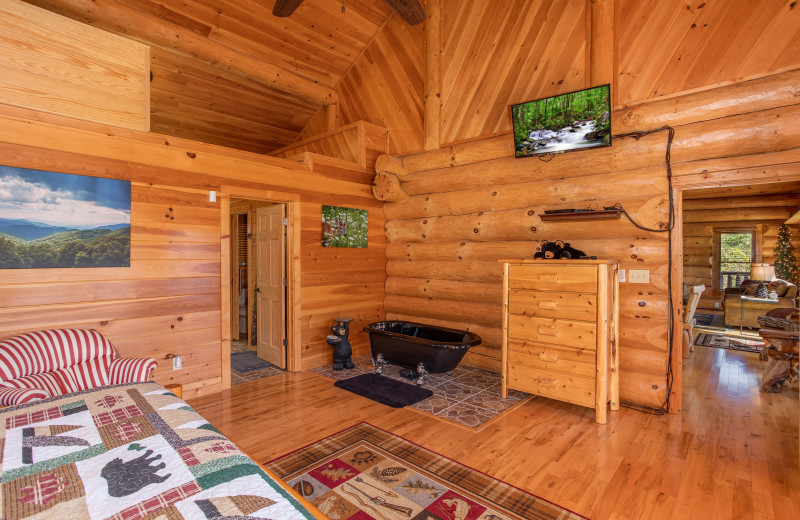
{"points": [[622, 275], [716, 305], [177, 362], [639, 275]]}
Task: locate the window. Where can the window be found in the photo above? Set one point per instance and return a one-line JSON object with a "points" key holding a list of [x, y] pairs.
{"points": [[737, 252]]}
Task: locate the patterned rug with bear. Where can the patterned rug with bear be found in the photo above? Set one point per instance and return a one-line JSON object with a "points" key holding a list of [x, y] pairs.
{"points": [[367, 473]]}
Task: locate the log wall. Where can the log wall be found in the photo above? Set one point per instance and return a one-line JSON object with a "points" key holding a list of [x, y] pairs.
{"points": [[473, 203], [169, 300], [728, 208]]}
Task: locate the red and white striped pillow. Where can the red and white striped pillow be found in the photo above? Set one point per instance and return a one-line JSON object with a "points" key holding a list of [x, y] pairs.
{"points": [[48, 350], [14, 396], [131, 370], [62, 361]]}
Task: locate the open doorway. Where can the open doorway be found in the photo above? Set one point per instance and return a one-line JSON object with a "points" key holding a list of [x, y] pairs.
{"points": [[726, 232], [258, 299], [728, 235]]}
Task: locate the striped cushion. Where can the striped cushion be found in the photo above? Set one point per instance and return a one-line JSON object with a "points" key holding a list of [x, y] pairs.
{"points": [[12, 396], [91, 374], [131, 370], [47, 350], [57, 382]]}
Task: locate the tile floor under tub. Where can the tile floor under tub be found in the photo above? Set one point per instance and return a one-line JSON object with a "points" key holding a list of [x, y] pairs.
{"points": [[470, 396]]}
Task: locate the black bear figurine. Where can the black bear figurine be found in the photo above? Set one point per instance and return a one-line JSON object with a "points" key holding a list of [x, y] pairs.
{"points": [[559, 249], [549, 249], [342, 351], [570, 252]]}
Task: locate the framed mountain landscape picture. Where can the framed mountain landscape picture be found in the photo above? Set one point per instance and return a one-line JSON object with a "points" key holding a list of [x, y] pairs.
{"points": [[60, 220]]}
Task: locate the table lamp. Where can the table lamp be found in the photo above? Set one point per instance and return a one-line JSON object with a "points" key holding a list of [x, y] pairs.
{"points": [[762, 272]]}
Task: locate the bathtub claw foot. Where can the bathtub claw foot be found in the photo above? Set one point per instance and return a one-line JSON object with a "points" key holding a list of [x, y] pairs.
{"points": [[381, 363], [421, 372]]}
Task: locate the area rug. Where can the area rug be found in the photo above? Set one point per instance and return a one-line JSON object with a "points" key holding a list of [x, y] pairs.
{"points": [[726, 342], [247, 361], [367, 473], [384, 390], [704, 319]]}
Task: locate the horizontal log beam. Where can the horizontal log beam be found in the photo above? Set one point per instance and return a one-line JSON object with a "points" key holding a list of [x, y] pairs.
{"points": [[122, 19], [486, 314], [520, 224], [758, 94], [622, 249], [736, 215], [452, 290], [790, 200], [580, 192]]}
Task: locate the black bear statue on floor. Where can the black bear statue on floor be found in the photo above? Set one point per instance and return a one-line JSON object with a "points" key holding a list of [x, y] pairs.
{"points": [[342, 351]]}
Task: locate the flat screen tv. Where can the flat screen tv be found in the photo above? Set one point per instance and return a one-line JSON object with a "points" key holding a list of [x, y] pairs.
{"points": [[564, 123]]}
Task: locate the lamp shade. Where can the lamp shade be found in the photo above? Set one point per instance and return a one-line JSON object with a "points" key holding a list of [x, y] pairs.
{"points": [[763, 272]]}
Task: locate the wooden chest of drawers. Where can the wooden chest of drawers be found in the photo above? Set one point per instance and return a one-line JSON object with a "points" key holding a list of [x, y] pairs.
{"points": [[560, 331]]}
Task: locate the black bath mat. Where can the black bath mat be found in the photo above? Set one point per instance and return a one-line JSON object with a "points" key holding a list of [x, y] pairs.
{"points": [[384, 390]]}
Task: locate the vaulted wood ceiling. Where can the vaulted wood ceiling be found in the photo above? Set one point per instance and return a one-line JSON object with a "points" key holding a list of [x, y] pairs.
{"points": [[494, 53], [196, 99]]}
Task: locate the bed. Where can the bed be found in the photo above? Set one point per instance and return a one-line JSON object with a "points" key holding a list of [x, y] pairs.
{"points": [[129, 452]]}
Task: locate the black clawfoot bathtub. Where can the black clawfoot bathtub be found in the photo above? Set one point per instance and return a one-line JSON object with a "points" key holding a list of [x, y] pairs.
{"points": [[410, 344]]}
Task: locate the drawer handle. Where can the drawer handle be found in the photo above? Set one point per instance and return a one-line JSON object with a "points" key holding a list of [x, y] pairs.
{"points": [[547, 382], [551, 305], [550, 358], [548, 330], [548, 277]]}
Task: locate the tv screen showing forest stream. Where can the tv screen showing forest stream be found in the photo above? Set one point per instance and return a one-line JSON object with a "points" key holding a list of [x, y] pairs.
{"points": [[563, 123]]}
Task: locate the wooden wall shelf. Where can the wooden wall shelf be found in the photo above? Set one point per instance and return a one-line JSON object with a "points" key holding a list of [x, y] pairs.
{"points": [[583, 215]]}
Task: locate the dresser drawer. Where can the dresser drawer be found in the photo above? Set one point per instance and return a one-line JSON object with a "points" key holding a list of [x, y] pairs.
{"points": [[577, 361], [551, 383], [553, 278], [571, 306], [578, 334]]}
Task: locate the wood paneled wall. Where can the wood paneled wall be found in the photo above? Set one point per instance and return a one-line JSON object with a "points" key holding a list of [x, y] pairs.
{"points": [[54, 64], [385, 85], [473, 203], [503, 52], [168, 301], [668, 47], [762, 208], [360, 142], [195, 100], [493, 54]]}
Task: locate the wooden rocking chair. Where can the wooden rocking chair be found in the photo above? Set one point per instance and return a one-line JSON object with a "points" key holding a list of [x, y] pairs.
{"points": [[689, 321]]}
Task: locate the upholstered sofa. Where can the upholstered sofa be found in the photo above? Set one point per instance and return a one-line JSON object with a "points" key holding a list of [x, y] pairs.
{"points": [[746, 313], [49, 363]]}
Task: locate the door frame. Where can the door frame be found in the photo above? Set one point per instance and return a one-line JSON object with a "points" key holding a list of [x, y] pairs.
{"points": [[293, 286], [699, 180]]}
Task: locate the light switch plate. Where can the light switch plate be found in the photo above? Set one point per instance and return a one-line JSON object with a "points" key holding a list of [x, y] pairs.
{"points": [[622, 275], [639, 276]]}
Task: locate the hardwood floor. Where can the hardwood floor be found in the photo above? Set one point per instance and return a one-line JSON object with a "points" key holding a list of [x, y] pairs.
{"points": [[732, 454]]}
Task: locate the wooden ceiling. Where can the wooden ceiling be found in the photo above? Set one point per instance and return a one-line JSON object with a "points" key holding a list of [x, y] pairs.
{"points": [[665, 47], [193, 98]]}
